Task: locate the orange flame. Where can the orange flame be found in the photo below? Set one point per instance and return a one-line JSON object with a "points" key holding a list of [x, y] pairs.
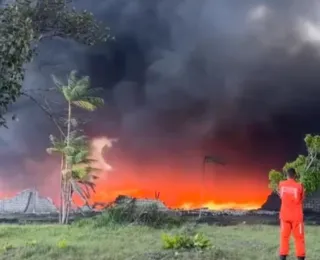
{"points": [[217, 188], [179, 188]]}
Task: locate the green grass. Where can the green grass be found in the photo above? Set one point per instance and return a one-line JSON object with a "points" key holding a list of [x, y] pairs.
{"points": [[141, 243]]}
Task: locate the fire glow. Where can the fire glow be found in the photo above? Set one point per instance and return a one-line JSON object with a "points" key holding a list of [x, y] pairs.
{"points": [[179, 187]]}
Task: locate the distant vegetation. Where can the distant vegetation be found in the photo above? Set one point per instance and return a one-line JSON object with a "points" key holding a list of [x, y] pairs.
{"points": [[24, 24], [307, 167]]}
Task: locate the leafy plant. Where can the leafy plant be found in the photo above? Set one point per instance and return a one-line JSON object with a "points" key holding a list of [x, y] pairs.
{"points": [[306, 166], [183, 241], [200, 241], [7, 247], [32, 243], [62, 244], [129, 213]]}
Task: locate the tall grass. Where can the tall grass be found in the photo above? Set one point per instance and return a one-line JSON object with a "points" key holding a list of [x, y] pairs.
{"points": [[130, 214]]}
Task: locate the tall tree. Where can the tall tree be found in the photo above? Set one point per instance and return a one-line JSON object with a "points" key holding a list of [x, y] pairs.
{"points": [[307, 167], [76, 92], [25, 23]]}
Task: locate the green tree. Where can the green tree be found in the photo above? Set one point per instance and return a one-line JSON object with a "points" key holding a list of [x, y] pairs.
{"points": [[83, 175], [73, 148], [307, 167], [25, 23]]}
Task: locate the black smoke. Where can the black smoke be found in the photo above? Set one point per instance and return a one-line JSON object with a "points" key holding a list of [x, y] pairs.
{"points": [[183, 75]]}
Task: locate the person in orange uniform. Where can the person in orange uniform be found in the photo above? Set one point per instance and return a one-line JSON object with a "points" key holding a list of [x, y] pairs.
{"points": [[291, 215]]}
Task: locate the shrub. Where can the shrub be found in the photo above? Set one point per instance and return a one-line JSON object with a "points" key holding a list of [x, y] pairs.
{"points": [[62, 244], [130, 214], [183, 241], [7, 247], [31, 243]]}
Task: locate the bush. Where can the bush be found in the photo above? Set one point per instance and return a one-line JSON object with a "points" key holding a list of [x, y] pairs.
{"points": [[199, 241], [62, 244], [7, 247], [130, 214]]}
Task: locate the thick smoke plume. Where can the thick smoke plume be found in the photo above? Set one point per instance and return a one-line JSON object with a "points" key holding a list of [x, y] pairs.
{"points": [[183, 79]]}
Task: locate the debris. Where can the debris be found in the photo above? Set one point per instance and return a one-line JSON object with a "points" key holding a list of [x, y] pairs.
{"points": [[27, 202], [123, 199]]}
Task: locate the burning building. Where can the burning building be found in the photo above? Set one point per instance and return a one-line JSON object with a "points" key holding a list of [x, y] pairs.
{"points": [[183, 79]]}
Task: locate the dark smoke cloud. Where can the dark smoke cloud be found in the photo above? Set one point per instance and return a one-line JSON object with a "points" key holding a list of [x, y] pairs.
{"points": [[184, 74]]}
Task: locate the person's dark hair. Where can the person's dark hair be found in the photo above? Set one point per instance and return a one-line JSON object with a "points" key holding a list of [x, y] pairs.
{"points": [[291, 173]]}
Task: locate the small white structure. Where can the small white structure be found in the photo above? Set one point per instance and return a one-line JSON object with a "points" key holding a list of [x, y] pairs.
{"points": [[27, 202], [312, 202]]}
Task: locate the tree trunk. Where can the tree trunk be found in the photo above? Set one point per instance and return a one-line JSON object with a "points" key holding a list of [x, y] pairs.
{"points": [[61, 190], [66, 191], [64, 202], [68, 207]]}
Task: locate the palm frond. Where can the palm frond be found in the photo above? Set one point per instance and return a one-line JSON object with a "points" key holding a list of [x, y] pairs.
{"points": [[79, 91], [74, 122], [57, 145], [78, 190], [66, 91], [96, 101], [52, 150], [89, 103], [84, 81], [86, 189], [80, 171], [88, 184], [94, 177], [73, 134], [89, 161], [80, 88], [69, 150], [94, 169], [57, 82], [79, 141], [72, 79], [80, 156], [69, 159], [53, 139]]}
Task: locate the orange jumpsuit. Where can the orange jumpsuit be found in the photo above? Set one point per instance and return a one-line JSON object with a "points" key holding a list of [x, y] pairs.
{"points": [[291, 216]]}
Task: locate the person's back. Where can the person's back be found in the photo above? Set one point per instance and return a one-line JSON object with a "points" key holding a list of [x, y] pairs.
{"points": [[291, 215], [292, 195]]}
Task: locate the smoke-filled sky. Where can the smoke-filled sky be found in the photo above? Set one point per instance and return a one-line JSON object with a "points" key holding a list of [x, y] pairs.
{"points": [[185, 78]]}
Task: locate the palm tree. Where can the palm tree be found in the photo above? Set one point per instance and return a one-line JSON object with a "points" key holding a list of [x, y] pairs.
{"points": [[76, 92], [82, 177]]}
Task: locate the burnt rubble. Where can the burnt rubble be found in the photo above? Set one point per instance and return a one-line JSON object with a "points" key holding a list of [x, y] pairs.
{"points": [[27, 202], [123, 200], [272, 203]]}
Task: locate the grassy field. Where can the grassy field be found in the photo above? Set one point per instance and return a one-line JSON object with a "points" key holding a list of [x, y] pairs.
{"points": [[141, 243]]}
